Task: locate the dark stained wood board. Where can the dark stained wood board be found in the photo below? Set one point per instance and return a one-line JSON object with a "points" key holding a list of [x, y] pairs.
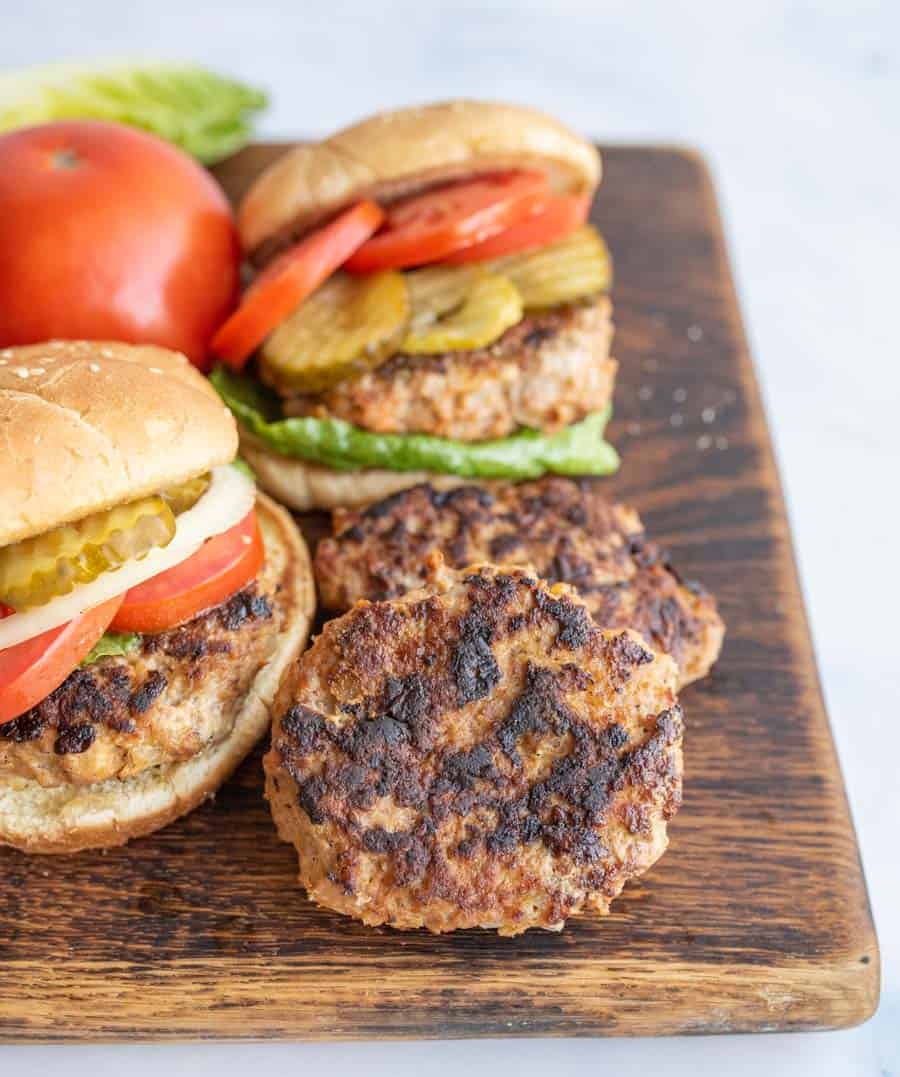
{"points": [[756, 919]]}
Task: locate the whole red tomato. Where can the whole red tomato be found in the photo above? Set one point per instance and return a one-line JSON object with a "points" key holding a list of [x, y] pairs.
{"points": [[110, 233]]}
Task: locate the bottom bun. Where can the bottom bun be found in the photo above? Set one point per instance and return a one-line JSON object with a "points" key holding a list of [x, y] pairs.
{"points": [[68, 818], [303, 486]]}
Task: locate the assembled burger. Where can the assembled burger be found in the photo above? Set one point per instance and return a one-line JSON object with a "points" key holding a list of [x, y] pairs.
{"points": [[430, 303], [149, 597]]}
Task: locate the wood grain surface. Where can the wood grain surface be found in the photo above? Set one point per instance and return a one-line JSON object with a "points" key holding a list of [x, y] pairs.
{"points": [[757, 917]]}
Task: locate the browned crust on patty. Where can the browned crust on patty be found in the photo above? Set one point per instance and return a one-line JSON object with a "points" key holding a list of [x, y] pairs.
{"points": [[567, 529], [549, 371], [68, 818], [172, 697], [478, 753], [178, 693]]}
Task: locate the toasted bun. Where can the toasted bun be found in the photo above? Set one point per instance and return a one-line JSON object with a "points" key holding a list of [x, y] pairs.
{"points": [[303, 486], [396, 153], [68, 818], [86, 425]]}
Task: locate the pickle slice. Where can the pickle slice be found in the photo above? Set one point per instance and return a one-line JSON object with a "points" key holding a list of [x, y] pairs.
{"points": [[491, 304], [184, 496], [572, 268], [38, 569], [349, 325], [435, 291]]}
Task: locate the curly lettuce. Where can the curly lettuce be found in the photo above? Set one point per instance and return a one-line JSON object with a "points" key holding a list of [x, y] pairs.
{"points": [[207, 115], [112, 645]]}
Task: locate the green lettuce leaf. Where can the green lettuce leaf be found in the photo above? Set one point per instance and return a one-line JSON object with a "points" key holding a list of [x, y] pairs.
{"points": [[577, 450], [112, 645], [245, 469], [205, 114]]}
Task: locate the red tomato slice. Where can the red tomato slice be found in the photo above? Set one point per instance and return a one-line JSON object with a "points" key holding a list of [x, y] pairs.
{"points": [[221, 566], [563, 214], [290, 278], [31, 670], [433, 225]]}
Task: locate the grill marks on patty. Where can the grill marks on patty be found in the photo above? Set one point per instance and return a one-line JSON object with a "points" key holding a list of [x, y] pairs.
{"points": [[478, 767], [565, 528], [383, 759], [112, 695], [162, 702], [106, 696]]}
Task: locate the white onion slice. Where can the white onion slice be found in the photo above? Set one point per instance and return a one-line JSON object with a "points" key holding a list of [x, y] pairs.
{"points": [[227, 500]]}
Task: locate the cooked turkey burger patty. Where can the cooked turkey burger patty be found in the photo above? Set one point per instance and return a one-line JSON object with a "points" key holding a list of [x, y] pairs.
{"points": [[549, 371], [150, 597], [566, 529], [475, 754], [177, 693], [464, 331]]}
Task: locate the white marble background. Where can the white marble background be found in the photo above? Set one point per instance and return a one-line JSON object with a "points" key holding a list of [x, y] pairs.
{"points": [[798, 107]]}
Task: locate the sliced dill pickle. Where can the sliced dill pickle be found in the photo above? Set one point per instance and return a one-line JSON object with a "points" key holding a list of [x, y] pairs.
{"points": [[184, 496], [349, 325], [38, 569], [490, 305], [437, 290], [572, 268]]}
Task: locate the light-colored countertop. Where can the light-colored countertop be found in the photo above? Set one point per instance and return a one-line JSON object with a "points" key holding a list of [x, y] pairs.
{"points": [[797, 106]]}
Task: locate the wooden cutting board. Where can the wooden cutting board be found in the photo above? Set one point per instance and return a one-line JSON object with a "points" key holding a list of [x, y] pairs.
{"points": [[757, 917]]}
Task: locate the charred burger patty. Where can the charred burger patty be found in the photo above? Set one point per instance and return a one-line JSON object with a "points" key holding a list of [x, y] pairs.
{"points": [[150, 597], [475, 754], [566, 529], [175, 694]]}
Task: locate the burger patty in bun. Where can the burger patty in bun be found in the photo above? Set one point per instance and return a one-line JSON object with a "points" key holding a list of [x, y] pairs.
{"points": [[431, 302], [550, 370], [150, 597], [169, 697]]}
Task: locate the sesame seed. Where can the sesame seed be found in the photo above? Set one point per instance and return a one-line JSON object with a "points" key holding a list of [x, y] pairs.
{"points": [[21, 371], [708, 415], [94, 368], [645, 392], [246, 539], [721, 443], [679, 396], [3, 362], [704, 442], [694, 333], [676, 419], [107, 353], [6, 353], [155, 370], [38, 370]]}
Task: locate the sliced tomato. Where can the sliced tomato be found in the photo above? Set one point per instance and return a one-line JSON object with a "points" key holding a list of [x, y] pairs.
{"points": [[561, 215], [290, 278], [430, 226], [222, 566], [31, 670]]}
